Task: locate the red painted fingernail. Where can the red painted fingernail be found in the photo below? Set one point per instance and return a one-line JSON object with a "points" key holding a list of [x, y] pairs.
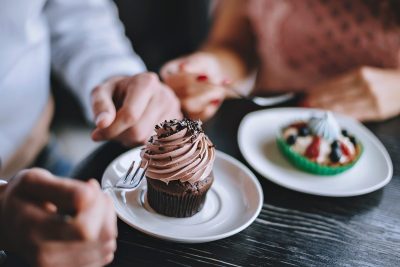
{"points": [[202, 78], [226, 82], [215, 102]]}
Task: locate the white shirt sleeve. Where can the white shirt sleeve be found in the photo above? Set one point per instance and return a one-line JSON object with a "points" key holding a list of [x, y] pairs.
{"points": [[88, 45]]}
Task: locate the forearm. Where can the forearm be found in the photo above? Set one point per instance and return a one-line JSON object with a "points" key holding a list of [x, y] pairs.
{"points": [[232, 41], [388, 90], [232, 63], [86, 54]]}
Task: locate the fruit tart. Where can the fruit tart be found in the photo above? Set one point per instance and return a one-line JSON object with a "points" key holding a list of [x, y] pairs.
{"points": [[319, 145]]}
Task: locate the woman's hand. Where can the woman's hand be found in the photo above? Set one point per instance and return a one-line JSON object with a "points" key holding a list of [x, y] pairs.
{"points": [[52, 221], [367, 94], [127, 108], [198, 81]]}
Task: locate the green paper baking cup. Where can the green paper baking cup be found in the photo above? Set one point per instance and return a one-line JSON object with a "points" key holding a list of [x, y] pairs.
{"points": [[307, 165]]}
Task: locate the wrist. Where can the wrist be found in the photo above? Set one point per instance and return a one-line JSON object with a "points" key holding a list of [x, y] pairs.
{"points": [[231, 63]]}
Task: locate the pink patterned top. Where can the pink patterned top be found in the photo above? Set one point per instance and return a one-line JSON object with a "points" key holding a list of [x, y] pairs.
{"points": [[301, 42]]}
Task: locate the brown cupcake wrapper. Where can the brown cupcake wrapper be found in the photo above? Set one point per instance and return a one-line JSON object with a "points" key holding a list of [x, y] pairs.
{"points": [[182, 206]]}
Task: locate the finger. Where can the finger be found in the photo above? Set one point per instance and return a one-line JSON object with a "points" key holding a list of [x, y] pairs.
{"points": [[195, 63], [198, 63], [357, 107], [40, 224], [361, 109], [81, 254], [349, 94], [337, 83], [140, 132], [164, 106], [181, 83], [109, 228], [202, 99], [94, 183], [139, 92], [41, 186], [338, 93], [205, 115], [172, 67], [102, 105], [184, 83], [90, 220], [76, 204]]}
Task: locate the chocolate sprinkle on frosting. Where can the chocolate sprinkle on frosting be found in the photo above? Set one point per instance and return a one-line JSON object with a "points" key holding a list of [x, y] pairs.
{"points": [[173, 126], [179, 150]]}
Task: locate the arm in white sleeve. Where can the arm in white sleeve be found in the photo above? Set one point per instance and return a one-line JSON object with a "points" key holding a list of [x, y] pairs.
{"points": [[89, 45]]}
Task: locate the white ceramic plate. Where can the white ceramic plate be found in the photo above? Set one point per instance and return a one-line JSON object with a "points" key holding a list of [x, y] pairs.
{"points": [[232, 204], [256, 138]]}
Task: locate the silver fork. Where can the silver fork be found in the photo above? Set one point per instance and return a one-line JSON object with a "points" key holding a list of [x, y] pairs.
{"points": [[234, 92], [132, 179], [259, 100]]}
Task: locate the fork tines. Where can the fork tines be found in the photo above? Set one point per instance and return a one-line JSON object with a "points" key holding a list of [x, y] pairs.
{"points": [[132, 179]]}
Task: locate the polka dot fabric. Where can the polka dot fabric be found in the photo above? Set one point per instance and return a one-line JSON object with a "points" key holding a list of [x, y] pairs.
{"points": [[301, 42]]}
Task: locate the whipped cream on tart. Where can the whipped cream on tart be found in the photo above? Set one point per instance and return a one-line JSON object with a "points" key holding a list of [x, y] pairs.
{"points": [[321, 140]]}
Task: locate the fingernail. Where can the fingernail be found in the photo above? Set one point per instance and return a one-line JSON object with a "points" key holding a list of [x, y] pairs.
{"points": [[100, 118], [226, 82], [182, 65], [94, 183], [96, 136], [215, 102], [202, 78]]}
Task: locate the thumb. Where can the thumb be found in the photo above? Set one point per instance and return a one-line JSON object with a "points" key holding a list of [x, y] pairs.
{"points": [[172, 67], [195, 64], [103, 106]]}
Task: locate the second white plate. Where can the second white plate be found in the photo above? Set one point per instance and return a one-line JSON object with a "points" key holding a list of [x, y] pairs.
{"points": [[256, 138], [232, 204]]}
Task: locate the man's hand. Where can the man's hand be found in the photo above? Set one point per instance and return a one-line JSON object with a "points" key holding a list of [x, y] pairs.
{"points": [[367, 94], [57, 222], [127, 108]]}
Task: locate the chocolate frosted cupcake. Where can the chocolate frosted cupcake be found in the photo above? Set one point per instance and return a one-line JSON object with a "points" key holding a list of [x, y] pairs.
{"points": [[179, 172]]}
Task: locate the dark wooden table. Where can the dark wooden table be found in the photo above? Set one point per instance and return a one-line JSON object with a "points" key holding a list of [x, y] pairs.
{"points": [[292, 228]]}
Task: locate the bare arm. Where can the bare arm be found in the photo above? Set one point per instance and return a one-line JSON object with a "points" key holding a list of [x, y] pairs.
{"points": [[367, 94], [231, 40], [228, 55]]}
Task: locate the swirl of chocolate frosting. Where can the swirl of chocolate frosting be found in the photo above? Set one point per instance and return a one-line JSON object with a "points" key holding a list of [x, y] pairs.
{"points": [[179, 151]]}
